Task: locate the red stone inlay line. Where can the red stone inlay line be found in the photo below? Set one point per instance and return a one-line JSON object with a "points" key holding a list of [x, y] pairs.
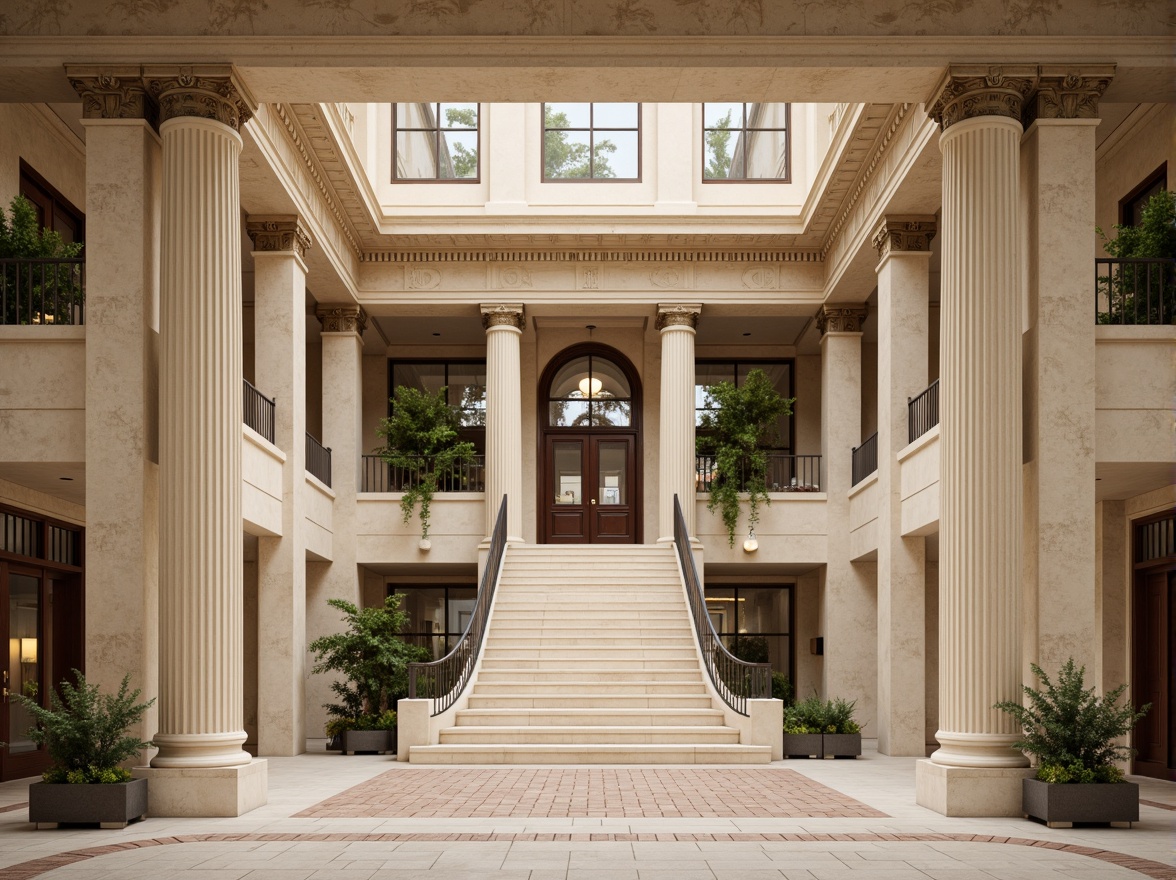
{"points": [[36, 867], [1157, 805]]}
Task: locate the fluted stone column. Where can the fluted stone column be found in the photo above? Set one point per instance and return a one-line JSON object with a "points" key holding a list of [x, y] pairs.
{"points": [[279, 284], [975, 770], [676, 451], [904, 251], [201, 768], [504, 324]]}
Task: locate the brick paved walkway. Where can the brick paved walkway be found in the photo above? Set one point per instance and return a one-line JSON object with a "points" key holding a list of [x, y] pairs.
{"points": [[564, 793]]}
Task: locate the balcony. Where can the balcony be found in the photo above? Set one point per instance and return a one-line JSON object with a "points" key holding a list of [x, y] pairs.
{"points": [[923, 412], [318, 460], [259, 411], [786, 473], [376, 475], [865, 459], [1135, 292], [48, 291]]}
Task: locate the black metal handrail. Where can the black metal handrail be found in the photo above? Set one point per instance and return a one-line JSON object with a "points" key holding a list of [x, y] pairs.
{"points": [[923, 412], [737, 681], [1141, 291], [443, 680], [318, 459], [786, 473], [379, 476], [865, 459], [42, 291], [259, 411]]}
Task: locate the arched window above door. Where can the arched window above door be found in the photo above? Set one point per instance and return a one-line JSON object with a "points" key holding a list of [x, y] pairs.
{"points": [[590, 392]]}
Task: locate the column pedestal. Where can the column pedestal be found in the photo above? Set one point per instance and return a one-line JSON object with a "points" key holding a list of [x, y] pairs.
{"points": [[676, 450]]}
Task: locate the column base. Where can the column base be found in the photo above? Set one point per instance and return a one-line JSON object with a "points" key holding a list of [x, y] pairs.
{"points": [[970, 791], [205, 792]]}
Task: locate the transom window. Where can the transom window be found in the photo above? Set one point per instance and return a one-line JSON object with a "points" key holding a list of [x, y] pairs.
{"points": [[592, 142], [435, 142], [590, 392], [745, 142]]}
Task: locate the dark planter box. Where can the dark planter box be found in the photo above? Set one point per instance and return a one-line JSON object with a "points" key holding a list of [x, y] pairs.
{"points": [[1061, 805], [842, 745], [803, 745], [380, 741], [108, 806]]}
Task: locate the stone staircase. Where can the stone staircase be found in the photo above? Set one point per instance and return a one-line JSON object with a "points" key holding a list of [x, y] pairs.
{"points": [[590, 659]]}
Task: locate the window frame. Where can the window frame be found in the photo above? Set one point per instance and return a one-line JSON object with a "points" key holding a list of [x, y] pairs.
{"points": [[790, 440], [437, 129], [50, 202], [475, 433], [742, 132], [790, 587], [1128, 202], [411, 634], [591, 129]]}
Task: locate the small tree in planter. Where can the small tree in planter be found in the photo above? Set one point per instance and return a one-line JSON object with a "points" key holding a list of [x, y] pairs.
{"points": [[824, 728], [85, 733], [373, 659], [736, 427], [422, 441], [1071, 732]]}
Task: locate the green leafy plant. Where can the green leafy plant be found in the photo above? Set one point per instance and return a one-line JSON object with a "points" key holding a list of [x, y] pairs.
{"points": [[373, 659], [814, 715], [782, 688], [565, 158], [49, 292], [1136, 293], [421, 438], [750, 649], [1070, 731], [85, 731], [735, 428]]}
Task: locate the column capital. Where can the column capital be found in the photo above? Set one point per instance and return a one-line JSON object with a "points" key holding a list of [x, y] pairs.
{"points": [[841, 318], [503, 315], [904, 232], [971, 91], [283, 233], [112, 92], [204, 91], [1068, 92], [678, 315], [342, 318]]}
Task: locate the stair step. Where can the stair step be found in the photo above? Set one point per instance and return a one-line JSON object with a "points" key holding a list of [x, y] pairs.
{"points": [[591, 754], [582, 640], [590, 735], [595, 677], [615, 717], [676, 665], [602, 701]]}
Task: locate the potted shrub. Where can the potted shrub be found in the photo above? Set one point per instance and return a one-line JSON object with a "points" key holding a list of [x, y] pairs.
{"points": [[1071, 733], [1141, 292], [373, 660], [85, 733], [803, 723], [37, 292], [842, 735], [735, 428], [422, 442]]}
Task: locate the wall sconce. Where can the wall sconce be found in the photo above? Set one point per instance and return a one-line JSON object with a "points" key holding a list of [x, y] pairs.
{"points": [[750, 545], [28, 650], [590, 387]]}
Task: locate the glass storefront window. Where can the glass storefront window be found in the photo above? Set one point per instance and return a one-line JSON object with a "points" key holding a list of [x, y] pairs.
{"points": [[755, 623]]}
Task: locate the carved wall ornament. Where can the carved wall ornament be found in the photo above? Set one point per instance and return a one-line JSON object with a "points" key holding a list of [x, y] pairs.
{"points": [[588, 276], [342, 318], [274, 234], [761, 278], [421, 278], [970, 92], [841, 318], [202, 91], [904, 234], [1068, 94], [503, 315], [112, 93], [672, 277], [678, 315], [510, 277]]}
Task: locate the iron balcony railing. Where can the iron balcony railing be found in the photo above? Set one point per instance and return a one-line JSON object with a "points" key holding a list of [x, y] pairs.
{"points": [[318, 459], [1134, 291], [737, 681], [259, 411], [379, 476], [865, 459], [923, 412], [49, 291], [443, 681], [786, 473]]}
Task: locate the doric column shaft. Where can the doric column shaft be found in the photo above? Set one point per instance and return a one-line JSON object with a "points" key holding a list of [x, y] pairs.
{"points": [[504, 324], [676, 450]]}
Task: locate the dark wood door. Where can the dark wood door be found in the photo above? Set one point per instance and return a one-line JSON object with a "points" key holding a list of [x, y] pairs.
{"points": [[22, 602], [589, 488], [1154, 674]]}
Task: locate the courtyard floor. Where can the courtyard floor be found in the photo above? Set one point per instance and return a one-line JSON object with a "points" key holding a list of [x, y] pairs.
{"points": [[361, 817]]}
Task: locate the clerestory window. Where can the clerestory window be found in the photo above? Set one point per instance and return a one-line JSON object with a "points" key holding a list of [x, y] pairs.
{"points": [[745, 143], [435, 142], [592, 142]]}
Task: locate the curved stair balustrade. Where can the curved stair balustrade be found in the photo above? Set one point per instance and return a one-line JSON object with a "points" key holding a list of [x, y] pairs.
{"points": [[736, 680], [443, 680]]}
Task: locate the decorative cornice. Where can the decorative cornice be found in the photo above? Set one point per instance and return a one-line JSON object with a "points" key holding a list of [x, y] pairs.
{"points": [[503, 315], [678, 315], [968, 92], [283, 233], [841, 319], [112, 93], [202, 91], [587, 256], [1068, 93], [342, 318], [904, 233]]}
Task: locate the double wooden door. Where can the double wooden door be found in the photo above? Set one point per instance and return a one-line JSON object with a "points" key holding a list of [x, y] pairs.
{"points": [[1154, 674], [590, 489]]}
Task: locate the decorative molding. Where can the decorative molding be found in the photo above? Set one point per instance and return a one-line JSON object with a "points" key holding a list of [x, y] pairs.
{"points": [[592, 256], [342, 318], [589, 276], [112, 93], [512, 277], [841, 318], [1068, 93], [284, 233], [421, 278], [762, 277], [678, 315], [904, 233], [968, 92], [503, 315], [203, 91], [672, 277]]}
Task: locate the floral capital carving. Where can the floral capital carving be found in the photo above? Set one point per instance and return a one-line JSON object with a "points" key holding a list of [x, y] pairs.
{"points": [[841, 319], [278, 234], [971, 92], [202, 91], [1068, 94], [678, 315], [503, 315], [112, 93], [342, 318], [900, 233]]}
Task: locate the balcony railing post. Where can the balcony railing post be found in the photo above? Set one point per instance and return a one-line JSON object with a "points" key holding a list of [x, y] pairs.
{"points": [[42, 291], [1134, 291]]}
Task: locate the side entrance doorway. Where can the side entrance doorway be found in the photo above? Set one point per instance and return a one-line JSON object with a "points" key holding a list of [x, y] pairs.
{"points": [[1154, 645]]}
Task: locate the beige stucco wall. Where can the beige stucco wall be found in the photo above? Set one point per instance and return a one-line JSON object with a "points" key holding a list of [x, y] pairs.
{"points": [[919, 466], [1130, 155], [43, 394], [261, 484], [455, 528], [24, 498], [791, 530], [1135, 384], [34, 133], [318, 502], [864, 501]]}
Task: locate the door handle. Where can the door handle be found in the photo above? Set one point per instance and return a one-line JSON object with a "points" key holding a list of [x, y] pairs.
{"points": [[593, 500]]}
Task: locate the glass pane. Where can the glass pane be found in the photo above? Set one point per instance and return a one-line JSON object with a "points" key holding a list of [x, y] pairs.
{"points": [[566, 461], [614, 115], [565, 155], [720, 605], [416, 155], [612, 473], [467, 390], [767, 155], [567, 380], [24, 656], [718, 146], [615, 154], [568, 413], [611, 377], [461, 607], [423, 377], [566, 115], [461, 115], [706, 375], [416, 116], [459, 155], [728, 115], [767, 115], [611, 413], [763, 610]]}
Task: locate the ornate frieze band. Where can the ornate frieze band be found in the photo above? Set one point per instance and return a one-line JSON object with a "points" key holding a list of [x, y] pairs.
{"points": [[841, 318], [274, 234], [203, 91], [503, 315], [968, 92], [586, 256], [1068, 93], [342, 318], [678, 315], [112, 93], [904, 233]]}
